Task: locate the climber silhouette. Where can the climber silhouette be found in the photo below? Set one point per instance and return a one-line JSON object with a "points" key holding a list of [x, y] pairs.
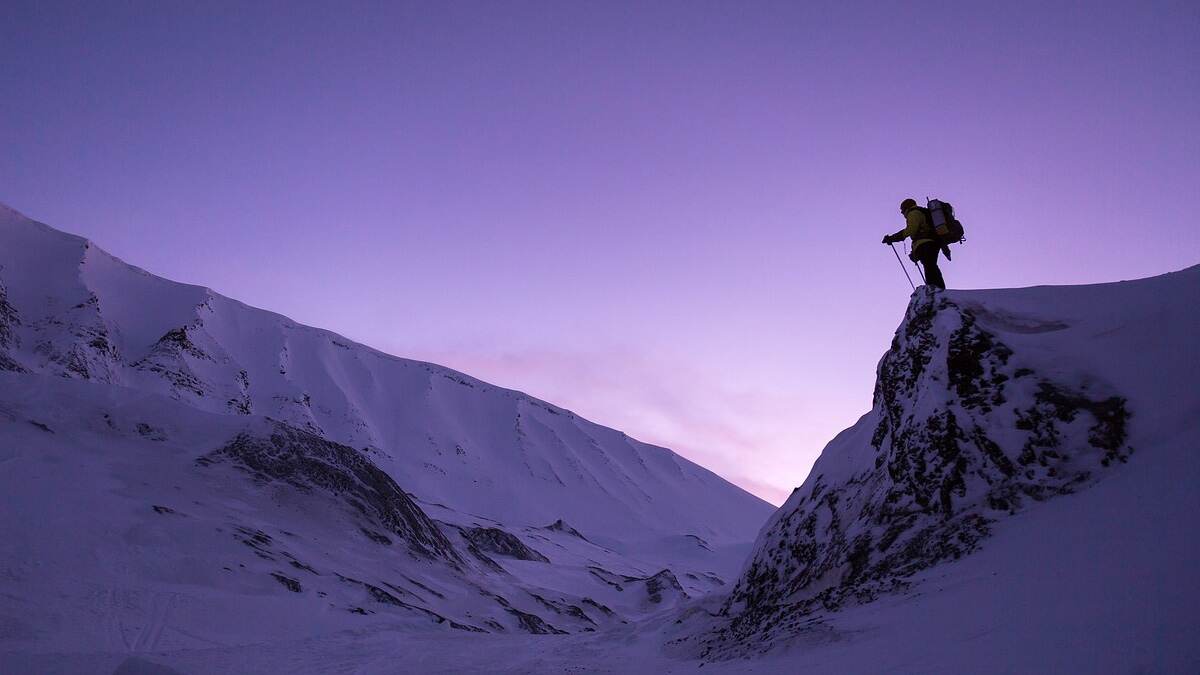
{"points": [[925, 246]]}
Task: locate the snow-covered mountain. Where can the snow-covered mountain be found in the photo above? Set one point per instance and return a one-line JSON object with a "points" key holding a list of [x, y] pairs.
{"points": [[73, 310], [182, 470], [195, 486]]}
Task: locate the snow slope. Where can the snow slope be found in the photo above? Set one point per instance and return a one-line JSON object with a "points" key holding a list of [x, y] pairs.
{"points": [[182, 472], [75, 311], [135, 523], [1020, 498]]}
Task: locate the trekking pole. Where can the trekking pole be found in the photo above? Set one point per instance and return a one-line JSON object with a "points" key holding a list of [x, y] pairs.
{"points": [[902, 267], [920, 272]]}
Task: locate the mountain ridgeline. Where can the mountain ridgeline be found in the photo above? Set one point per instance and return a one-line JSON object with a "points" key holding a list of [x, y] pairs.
{"points": [[253, 461], [69, 309]]}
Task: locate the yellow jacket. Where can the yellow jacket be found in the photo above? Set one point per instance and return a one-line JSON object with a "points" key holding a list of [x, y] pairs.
{"points": [[916, 228]]}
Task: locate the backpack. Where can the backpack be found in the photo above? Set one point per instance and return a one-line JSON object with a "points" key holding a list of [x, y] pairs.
{"points": [[946, 228]]}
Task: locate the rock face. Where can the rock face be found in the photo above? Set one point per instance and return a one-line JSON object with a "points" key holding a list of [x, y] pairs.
{"points": [[309, 462], [9, 321], [663, 584], [961, 434], [495, 540]]}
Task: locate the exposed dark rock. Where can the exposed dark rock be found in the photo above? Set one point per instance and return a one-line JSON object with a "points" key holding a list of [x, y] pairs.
{"points": [[241, 404], [8, 364], [168, 359], [495, 540], [307, 461], [657, 586], [297, 564], [150, 432], [180, 379], [257, 540], [423, 587], [301, 566], [603, 608], [561, 526], [532, 623], [577, 612], [1054, 405], [974, 359], [401, 591], [376, 536], [607, 577], [663, 581], [483, 558], [710, 578], [177, 340], [288, 582], [384, 597], [564, 608], [9, 320]]}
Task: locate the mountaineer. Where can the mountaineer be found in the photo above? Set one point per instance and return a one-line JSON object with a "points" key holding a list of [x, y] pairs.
{"points": [[925, 241]]}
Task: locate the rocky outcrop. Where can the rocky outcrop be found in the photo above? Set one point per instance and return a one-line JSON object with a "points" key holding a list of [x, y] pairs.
{"points": [[170, 359], [310, 462], [77, 343], [9, 321], [961, 434], [664, 585], [495, 540], [661, 588], [561, 525]]}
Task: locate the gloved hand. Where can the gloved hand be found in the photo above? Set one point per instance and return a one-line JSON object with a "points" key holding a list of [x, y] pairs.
{"points": [[887, 239]]}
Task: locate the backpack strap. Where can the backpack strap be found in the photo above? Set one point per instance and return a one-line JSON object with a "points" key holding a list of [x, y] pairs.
{"points": [[927, 232]]}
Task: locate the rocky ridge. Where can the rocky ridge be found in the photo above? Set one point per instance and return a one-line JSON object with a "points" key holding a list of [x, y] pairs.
{"points": [[961, 434]]}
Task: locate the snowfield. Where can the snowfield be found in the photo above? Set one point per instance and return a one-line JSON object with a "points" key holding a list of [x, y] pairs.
{"points": [[192, 485]]}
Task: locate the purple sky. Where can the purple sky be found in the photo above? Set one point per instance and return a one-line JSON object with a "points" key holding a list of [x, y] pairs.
{"points": [[665, 216]]}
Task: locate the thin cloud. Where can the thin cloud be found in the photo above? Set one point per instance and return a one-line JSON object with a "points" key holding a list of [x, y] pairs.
{"points": [[737, 434]]}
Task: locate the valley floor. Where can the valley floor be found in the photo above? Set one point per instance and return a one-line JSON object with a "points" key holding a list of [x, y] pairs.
{"points": [[1060, 611]]}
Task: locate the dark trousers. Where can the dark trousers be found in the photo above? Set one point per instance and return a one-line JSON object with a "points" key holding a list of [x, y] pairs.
{"points": [[927, 255]]}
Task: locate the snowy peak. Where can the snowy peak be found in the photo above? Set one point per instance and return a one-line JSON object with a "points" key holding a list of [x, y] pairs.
{"points": [[69, 309], [82, 311], [283, 479]]}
